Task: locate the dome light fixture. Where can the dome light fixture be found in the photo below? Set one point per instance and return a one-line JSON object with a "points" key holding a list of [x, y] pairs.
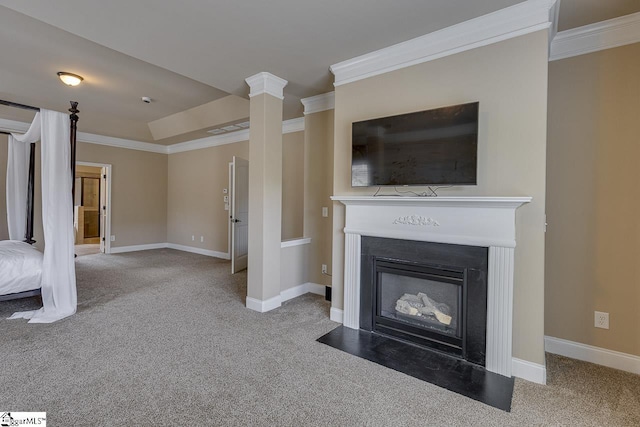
{"points": [[70, 79]]}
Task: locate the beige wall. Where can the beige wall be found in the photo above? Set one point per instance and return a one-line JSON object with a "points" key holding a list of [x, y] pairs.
{"points": [[318, 188], [294, 269], [138, 195], [195, 197], [593, 208], [510, 81], [292, 185]]}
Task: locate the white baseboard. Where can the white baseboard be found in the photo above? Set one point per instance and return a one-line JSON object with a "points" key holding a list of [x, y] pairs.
{"points": [[315, 288], [588, 353], [529, 371], [286, 295], [264, 306], [336, 315], [296, 291], [207, 252], [135, 248]]}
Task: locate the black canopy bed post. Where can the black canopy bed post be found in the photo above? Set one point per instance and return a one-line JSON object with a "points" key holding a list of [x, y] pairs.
{"points": [[73, 118], [28, 236]]}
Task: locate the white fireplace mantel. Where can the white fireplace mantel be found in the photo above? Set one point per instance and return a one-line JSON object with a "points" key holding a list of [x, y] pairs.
{"points": [[475, 221]]}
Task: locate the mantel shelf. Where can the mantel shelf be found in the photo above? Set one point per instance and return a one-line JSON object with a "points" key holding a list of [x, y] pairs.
{"points": [[479, 202]]}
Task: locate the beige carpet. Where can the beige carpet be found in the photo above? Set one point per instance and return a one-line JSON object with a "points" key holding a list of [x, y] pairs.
{"points": [[162, 338], [89, 249]]}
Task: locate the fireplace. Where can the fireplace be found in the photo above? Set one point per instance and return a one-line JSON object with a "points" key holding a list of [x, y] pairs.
{"points": [[430, 294], [485, 224]]}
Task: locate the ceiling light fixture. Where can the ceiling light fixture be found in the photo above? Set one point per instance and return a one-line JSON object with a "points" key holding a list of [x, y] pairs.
{"points": [[70, 79]]}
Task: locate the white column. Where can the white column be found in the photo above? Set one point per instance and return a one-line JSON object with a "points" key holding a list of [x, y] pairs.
{"points": [[352, 253], [500, 310], [265, 191]]}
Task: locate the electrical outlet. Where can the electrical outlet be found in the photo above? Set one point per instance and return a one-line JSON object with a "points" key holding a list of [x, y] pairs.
{"points": [[113, 238], [601, 320], [324, 268], [193, 238], [201, 239]]}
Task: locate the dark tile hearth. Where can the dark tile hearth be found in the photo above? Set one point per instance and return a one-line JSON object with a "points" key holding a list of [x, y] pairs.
{"points": [[444, 371]]}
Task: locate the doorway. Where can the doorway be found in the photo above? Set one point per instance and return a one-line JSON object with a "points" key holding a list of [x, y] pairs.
{"points": [[239, 214], [92, 208]]}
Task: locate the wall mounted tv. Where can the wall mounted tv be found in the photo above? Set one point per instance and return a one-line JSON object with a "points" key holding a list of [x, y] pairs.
{"points": [[433, 147]]}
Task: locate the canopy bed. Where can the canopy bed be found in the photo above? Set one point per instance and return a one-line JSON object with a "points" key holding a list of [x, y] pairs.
{"points": [[25, 271]]}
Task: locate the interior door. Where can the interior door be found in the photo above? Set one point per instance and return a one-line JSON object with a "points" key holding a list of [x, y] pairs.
{"points": [[103, 208], [239, 214]]}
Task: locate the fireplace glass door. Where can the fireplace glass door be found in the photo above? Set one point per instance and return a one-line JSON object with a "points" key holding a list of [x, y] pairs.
{"points": [[420, 303]]}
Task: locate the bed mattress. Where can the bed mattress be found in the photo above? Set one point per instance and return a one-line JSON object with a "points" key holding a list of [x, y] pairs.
{"points": [[20, 267]]}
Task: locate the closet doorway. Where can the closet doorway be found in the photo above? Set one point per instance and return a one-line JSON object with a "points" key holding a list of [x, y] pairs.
{"points": [[92, 208]]}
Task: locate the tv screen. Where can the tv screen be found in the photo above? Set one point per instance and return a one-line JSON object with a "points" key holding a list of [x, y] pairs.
{"points": [[433, 147]]}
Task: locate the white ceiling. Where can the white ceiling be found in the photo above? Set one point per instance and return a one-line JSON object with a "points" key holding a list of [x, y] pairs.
{"points": [[109, 98], [576, 13], [199, 45]]}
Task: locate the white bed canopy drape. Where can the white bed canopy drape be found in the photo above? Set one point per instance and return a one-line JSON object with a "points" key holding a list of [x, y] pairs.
{"points": [[59, 297], [17, 176]]}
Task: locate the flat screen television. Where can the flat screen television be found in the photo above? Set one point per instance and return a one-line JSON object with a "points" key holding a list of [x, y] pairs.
{"points": [[433, 147]]}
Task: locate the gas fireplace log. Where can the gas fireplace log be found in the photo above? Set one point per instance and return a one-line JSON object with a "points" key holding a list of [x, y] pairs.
{"points": [[422, 305], [405, 307], [432, 306]]}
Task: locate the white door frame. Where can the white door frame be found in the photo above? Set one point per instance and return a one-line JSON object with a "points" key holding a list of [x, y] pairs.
{"points": [[229, 193], [107, 222]]}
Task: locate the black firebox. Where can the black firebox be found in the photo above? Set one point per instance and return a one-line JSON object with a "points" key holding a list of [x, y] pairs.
{"points": [[430, 294]]}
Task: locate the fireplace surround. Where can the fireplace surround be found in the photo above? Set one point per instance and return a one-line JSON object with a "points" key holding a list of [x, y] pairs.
{"points": [[487, 223]]}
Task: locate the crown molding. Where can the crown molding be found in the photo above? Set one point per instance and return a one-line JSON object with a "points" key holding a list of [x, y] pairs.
{"points": [[266, 83], [318, 103], [595, 37], [210, 141], [523, 18], [554, 14], [90, 138], [130, 144], [288, 126], [293, 125]]}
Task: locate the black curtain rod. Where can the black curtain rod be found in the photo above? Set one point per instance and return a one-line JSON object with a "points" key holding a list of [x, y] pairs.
{"points": [[16, 105]]}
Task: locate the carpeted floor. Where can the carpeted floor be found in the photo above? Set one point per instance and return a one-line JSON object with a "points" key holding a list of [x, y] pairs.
{"points": [[88, 249], [162, 338]]}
